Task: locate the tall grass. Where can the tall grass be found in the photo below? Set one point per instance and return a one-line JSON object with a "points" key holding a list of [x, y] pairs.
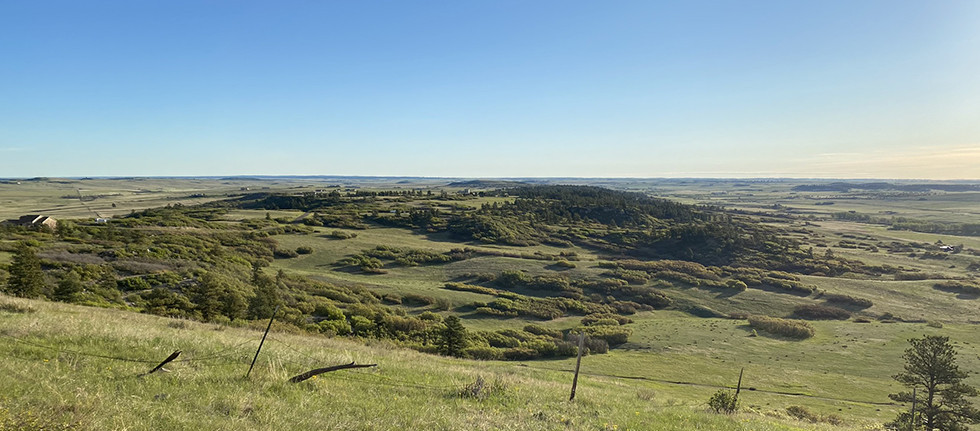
{"points": [[64, 363]]}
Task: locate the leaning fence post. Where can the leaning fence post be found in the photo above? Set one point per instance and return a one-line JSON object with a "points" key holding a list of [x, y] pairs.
{"points": [[315, 372], [262, 342], [172, 356], [578, 363]]}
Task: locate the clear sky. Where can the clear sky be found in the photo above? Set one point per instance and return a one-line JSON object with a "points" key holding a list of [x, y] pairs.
{"points": [[855, 89]]}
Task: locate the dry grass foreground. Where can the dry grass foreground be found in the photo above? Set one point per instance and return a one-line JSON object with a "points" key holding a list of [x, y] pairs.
{"points": [[73, 367]]}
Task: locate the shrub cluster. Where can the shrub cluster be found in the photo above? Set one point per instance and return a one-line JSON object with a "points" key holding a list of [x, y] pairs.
{"points": [[613, 335], [540, 308], [968, 288], [784, 327], [339, 234], [723, 401], [847, 300], [462, 287], [820, 312], [531, 343], [605, 319], [410, 257], [804, 414]]}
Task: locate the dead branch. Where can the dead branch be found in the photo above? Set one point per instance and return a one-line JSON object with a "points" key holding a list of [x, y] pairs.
{"points": [[319, 371]]}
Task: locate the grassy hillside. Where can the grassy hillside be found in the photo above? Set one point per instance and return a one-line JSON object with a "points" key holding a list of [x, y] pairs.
{"points": [[366, 273], [73, 367]]}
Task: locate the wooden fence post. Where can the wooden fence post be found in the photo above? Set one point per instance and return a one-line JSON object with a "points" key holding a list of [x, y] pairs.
{"points": [[262, 342], [172, 356], [738, 388], [578, 363], [309, 374]]}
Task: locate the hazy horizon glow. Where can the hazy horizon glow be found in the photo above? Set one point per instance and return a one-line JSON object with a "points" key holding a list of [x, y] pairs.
{"points": [[633, 89]]}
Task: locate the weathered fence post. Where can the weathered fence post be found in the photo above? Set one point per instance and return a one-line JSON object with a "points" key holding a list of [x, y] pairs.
{"points": [[315, 372], [262, 342], [578, 363], [738, 388], [172, 356]]}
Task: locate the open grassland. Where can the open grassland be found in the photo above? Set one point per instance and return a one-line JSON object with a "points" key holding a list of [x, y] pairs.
{"points": [[844, 369], [659, 379], [90, 198], [107, 197], [910, 300], [63, 368]]}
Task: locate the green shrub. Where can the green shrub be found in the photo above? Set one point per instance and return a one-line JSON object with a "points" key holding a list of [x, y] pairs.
{"points": [[594, 318], [784, 327], [968, 288], [430, 316], [802, 413], [418, 300], [339, 234], [614, 335], [540, 330], [488, 311], [791, 286], [470, 288], [520, 354], [723, 401], [483, 353], [738, 285], [847, 300], [821, 312], [130, 284], [284, 254], [304, 250], [629, 275]]}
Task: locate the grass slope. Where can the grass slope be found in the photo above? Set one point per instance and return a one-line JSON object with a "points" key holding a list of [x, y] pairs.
{"points": [[49, 379]]}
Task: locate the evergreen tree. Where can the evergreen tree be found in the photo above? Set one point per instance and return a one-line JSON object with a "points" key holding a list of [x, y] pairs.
{"points": [[941, 395], [266, 299], [26, 277], [205, 295], [452, 340], [68, 287], [107, 286]]}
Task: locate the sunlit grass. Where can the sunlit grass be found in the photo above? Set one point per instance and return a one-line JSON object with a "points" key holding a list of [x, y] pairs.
{"points": [[206, 388]]}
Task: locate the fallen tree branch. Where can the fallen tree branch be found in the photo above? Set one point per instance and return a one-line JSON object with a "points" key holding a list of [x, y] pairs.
{"points": [[319, 371]]}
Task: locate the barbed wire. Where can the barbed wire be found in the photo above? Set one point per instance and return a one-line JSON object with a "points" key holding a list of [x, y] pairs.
{"points": [[382, 379], [217, 355]]}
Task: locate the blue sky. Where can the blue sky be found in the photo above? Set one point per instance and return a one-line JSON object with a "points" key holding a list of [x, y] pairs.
{"points": [[855, 89]]}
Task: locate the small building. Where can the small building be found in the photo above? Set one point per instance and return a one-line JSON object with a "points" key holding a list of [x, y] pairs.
{"points": [[37, 221]]}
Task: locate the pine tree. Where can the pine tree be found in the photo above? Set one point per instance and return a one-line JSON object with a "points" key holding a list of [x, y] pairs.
{"points": [[26, 277], [205, 295], [68, 287], [266, 299], [452, 339], [930, 367]]}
